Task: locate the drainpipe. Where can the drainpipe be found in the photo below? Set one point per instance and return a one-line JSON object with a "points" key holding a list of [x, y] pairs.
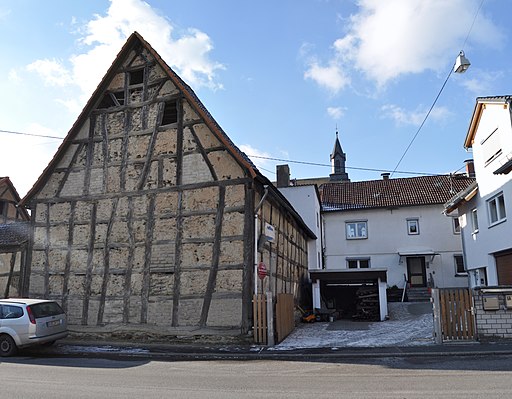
{"points": [[256, 239]]}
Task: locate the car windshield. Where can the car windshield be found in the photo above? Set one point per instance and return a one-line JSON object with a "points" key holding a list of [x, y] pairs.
{"points": [[46, 309]]}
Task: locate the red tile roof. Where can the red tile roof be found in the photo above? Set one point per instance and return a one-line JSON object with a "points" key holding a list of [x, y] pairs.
{"points": [[423, 190]]}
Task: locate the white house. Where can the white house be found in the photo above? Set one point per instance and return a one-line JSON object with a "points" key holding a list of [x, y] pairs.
{"points": [[483, 207], [388, 232], [305, 199]]}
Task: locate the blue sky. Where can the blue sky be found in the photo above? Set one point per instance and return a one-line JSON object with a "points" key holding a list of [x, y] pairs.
{"points": [[278, 76]]}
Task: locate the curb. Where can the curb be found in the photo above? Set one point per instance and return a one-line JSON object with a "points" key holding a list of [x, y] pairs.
{"points": [[176, 353]]}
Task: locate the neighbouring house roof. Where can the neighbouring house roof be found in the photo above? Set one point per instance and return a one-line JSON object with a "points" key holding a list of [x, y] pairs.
{"points": [[505, 168], [14, 234], [477, 113], [7, 186], [412, 191], [461, 197]]}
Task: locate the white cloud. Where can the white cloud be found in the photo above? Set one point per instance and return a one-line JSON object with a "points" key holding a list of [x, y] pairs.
{"points": [[387, 39], [481, 83], [258, 157], [103, 36], [52, 72], [336, 112], [416, 117], [14, 76], [331, 77]]}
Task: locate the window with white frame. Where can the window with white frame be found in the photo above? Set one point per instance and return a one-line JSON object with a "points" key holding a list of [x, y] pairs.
{"points": [[474, 220], [456, 225], [356, 230], [459, 265], [496, 209], [413, 226], [363, 263]]}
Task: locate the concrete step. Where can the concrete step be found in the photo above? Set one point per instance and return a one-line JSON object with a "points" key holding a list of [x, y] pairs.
{"points": [[418, 294]]}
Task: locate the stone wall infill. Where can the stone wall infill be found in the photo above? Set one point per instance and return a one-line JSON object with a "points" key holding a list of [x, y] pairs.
{"points": [[493, 324]]}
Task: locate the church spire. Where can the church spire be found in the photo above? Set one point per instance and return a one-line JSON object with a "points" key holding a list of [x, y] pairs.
{"points": [[338, 159]]}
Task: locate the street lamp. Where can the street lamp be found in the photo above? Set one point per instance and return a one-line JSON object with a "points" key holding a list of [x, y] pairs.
{"points": [[461, 63]]}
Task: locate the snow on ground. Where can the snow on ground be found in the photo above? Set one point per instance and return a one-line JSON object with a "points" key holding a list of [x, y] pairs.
{"points": [[409, 324]]}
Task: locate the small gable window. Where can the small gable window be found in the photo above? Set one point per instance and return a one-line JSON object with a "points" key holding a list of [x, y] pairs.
{"points": [[136, 77], [110, 100], [170, 113]]}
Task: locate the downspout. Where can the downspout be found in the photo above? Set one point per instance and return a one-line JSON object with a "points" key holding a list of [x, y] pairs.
{"points": [[256, 239]]}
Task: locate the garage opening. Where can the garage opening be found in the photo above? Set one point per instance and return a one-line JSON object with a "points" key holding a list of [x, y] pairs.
{"points": [[352, 294]]}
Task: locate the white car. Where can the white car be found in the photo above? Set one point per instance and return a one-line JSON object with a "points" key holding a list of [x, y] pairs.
{"points": [[25, 322]]}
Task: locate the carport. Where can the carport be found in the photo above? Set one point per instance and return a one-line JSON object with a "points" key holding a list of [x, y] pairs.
{"points": [[344, 290]]}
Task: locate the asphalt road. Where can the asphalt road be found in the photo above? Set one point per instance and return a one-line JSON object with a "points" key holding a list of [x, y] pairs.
{"points": [[421, 377]]}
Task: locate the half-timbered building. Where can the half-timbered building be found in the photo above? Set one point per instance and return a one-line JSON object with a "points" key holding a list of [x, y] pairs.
{"points": [[149, 218]]}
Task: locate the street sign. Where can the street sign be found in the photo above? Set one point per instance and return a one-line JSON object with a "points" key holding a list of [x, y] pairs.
{"points": [[262, 270]]}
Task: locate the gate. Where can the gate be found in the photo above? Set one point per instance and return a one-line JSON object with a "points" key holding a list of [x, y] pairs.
{"points": [[454, 318], [263, 315], [259, 308], [285, 321]]}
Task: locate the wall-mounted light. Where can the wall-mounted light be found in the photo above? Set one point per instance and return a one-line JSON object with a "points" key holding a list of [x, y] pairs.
{"points": [[461, 63]]}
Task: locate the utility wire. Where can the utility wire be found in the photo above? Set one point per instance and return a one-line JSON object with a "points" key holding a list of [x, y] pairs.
{"points": [[472, 24], [261, 157], [31, 134], [438, 95], [422, 123], [258, 156], [346, 167]]}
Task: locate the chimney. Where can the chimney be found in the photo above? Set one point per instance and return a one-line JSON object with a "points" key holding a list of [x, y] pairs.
{"points": [[470, 168], [283, 176], [385, 176]]}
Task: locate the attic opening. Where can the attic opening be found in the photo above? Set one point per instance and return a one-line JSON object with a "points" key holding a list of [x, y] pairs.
{"points": [[136, 77], [170, 112], [110, 100]]}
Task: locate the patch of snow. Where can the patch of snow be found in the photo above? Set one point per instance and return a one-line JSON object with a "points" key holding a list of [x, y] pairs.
{"points": [[408, 325]]}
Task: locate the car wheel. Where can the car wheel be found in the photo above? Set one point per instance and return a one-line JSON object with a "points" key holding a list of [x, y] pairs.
{"points": [[7, 346]]}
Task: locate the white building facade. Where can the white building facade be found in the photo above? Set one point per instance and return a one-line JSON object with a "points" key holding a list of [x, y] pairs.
{"points": [[485, 208], [306, 201], [390, 233], [417, 244]]}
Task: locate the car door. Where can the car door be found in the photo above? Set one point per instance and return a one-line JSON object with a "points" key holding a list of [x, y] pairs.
{"points": [[13, 322]]}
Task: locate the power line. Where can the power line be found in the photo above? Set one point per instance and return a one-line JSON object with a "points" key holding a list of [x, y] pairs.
{"points": [[260, 157], [346, 167], [31, 134], [438, 94], [422, 123]]}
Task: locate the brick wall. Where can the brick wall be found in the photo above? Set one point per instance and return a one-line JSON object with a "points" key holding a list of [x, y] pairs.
{"points": [[492, 324]]}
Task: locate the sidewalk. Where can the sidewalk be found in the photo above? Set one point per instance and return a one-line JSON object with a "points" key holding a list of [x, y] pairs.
{"points": [[408, 332]]}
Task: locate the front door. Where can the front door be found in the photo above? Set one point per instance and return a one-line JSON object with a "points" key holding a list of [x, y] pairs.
{"points": [[416, 271]]}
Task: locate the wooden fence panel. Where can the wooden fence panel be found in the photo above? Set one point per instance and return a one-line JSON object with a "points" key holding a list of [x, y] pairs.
{"points": [[457, 319], [259, 304], [285, 321]]}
